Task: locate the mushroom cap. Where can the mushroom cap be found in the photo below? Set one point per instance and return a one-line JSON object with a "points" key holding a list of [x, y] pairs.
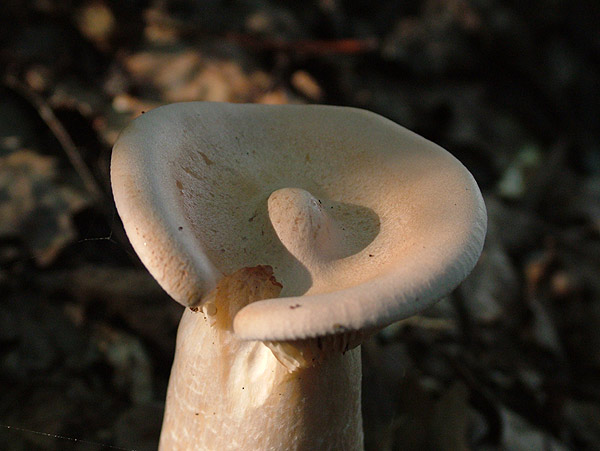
{"points": [[363, 221]]}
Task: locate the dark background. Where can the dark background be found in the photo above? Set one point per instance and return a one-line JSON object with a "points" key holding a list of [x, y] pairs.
{"points": [[511, 360]]}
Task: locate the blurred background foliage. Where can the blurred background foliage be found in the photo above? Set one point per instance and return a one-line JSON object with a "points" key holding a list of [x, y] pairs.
{"points": [[511, 360]]}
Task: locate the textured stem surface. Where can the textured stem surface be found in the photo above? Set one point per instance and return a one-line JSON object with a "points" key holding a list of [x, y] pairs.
{"points": [[228, 394]]}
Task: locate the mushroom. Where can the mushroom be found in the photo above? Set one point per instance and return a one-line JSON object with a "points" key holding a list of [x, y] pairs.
{"points": [[291, 232]]}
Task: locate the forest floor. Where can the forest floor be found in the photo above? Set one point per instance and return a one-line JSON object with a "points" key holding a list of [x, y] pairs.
{"points": [[510, 360]]}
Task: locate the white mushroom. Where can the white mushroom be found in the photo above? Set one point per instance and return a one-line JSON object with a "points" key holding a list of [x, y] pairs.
{"points": [[291, 232]]}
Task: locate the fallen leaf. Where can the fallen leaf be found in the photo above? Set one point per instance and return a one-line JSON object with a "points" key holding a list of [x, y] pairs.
{"points": [[35, 206]]}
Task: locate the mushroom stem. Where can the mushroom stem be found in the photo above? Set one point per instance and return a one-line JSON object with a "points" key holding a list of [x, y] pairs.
{"points": [[227, 393]]}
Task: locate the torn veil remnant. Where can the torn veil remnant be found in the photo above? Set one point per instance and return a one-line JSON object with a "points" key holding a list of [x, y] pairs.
{"points": [[296, 230]]}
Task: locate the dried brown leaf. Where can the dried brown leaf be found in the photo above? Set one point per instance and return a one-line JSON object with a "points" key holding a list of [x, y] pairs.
{"points": [[35, 206]]}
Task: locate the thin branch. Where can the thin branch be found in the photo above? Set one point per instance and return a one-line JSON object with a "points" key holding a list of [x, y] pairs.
{"points": [[59, 132], [311, 47]]}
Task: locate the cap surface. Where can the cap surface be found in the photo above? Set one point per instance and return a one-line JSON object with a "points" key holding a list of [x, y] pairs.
{"points": [[363, 221]]}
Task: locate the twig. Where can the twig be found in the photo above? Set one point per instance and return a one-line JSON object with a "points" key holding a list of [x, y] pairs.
{"points": [[306, 46], [59, 132], [312, 47]]}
